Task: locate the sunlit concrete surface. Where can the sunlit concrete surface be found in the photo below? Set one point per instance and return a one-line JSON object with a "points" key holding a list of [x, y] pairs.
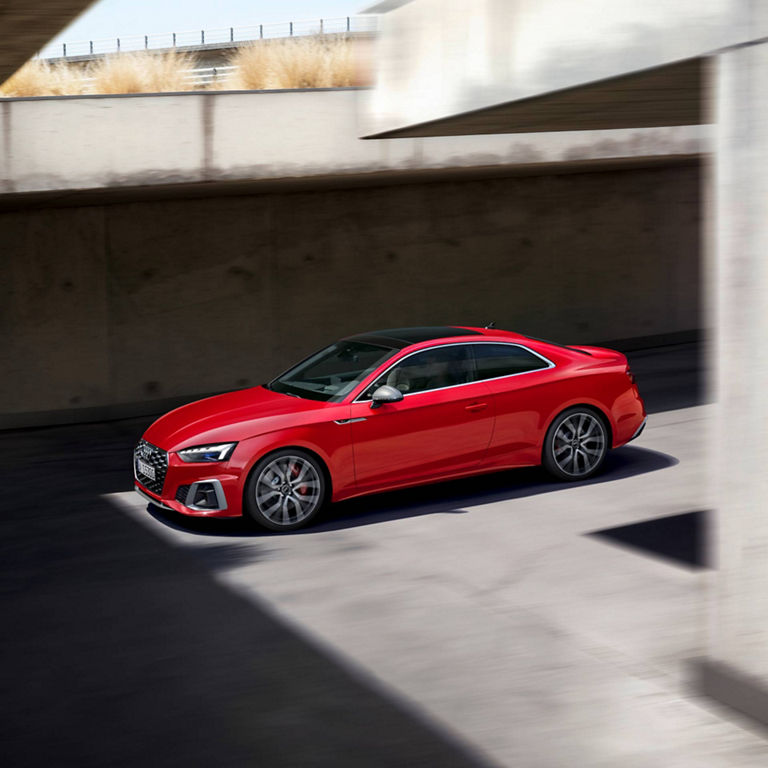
{"points": [[57, 144], [484, 605], [739, 637]]}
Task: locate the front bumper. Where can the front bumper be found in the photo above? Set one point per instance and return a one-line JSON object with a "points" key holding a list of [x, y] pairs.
{"points": [[223, 508], [200, 490], [147, 496]]}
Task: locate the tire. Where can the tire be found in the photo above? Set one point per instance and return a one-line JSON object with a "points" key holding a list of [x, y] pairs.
{"points": [[576, 444], [275, 501]]}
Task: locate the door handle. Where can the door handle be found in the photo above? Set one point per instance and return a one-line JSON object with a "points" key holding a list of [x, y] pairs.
{"points": [[474, 407]]}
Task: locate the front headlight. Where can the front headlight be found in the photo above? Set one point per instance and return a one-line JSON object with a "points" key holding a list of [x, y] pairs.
{"points": [[217, 452]]}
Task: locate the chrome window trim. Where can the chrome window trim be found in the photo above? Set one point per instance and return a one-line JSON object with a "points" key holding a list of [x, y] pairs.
{"points": [[549, 364]]}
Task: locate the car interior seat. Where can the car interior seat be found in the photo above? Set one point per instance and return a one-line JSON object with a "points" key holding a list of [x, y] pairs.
{"points": [[399, 379]]}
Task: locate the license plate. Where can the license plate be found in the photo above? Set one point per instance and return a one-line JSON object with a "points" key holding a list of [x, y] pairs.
{"points": [[146, 469]]}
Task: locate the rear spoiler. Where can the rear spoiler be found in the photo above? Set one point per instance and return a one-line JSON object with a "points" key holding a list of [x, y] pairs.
{"points": [[601, 353]]}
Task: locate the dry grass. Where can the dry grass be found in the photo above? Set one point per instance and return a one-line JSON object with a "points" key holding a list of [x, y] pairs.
{"points": [[141, 72], [253, 72], [39, 78], [307, 62]]}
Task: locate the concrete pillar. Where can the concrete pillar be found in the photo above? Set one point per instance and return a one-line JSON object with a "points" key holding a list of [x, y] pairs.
{"points": [[736, 670]]}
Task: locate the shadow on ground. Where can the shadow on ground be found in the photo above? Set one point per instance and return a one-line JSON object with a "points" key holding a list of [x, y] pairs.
{"points": [[680, 539], [122, 650], [441, 498]]}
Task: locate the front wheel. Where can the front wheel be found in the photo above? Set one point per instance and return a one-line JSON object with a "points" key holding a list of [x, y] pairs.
{"points": [[286, 490], [575, 445]]}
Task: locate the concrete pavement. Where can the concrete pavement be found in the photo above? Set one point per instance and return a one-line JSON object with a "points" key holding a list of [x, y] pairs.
{"points": [[468, 623], [121, 650], [484, 606]]}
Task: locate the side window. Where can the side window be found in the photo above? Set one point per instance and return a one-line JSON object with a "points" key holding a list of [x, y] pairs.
{"points": [[430, 369], [494, 360]]}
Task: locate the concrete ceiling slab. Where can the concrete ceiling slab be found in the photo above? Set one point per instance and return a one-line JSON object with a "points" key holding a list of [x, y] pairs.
{"points": [[27, 25], [663, 96]]}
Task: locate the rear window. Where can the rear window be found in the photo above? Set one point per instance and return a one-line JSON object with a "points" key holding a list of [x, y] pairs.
{"points": [[495, 360]]}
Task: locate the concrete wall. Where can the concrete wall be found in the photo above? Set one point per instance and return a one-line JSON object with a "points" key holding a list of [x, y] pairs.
{"points": [[137, 302], [65, 144]]}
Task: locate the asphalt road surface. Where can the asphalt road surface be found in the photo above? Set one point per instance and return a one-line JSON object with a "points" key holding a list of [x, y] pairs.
{"points": [[478, 622]]}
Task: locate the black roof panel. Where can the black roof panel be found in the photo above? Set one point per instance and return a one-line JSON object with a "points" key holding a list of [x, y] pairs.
{"points": [[402, 337]]}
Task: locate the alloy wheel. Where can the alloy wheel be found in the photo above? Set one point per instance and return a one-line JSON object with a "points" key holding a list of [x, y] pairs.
{"points": [[288, 490], [579, 444]]}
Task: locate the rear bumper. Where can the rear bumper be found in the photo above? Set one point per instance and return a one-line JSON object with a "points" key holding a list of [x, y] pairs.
{"points": [[638, 430]]}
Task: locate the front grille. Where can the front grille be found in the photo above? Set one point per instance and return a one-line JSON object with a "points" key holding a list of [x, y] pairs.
{"points": [[156, 458], [181, 494]]}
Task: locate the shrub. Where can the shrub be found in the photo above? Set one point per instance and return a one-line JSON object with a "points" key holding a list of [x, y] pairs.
{"points": [[40, 78], [141, 72], [307, 62], [253, 71]]}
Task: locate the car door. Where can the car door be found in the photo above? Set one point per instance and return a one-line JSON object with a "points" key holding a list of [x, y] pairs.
{"points": [[442, 425], [517, 379]]}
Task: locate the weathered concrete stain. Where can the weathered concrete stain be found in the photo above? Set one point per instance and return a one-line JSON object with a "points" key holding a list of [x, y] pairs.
{"points": [[67, 144]]}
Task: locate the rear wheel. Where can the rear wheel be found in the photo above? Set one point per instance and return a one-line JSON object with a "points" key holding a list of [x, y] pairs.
{"points": [[576, 444], [286, 490]]}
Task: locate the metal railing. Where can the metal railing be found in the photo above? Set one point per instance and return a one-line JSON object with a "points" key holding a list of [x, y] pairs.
{"points": [[204, 76], [203, 38], [197, 77]]}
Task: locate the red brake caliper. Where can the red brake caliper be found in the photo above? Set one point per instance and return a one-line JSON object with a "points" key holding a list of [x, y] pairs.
{"points": [[302, 489]]}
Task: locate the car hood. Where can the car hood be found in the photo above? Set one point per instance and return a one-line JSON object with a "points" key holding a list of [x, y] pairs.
{"points": [[223, 418]]}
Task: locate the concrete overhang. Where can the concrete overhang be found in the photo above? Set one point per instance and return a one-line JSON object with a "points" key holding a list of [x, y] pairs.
{"points": [[27, 25], [526, 66], [385, 6], [663, 96]]}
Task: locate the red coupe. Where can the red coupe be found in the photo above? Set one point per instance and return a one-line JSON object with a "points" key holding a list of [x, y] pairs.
{"points": [[388, 409]]}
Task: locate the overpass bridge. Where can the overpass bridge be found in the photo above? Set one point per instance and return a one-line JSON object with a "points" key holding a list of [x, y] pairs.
{"points": [[27, 27]]}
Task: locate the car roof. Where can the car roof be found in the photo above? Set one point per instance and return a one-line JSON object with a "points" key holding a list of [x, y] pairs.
{"points": [[404, 337]]}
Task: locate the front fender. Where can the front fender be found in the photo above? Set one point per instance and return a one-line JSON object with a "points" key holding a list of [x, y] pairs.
{"points": [[330, 442]]}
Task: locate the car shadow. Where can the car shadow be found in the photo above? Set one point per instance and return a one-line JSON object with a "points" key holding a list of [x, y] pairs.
{"points": [[450, 497]]}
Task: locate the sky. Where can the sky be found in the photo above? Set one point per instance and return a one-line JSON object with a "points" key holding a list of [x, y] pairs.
{"points": [[115, 18]]}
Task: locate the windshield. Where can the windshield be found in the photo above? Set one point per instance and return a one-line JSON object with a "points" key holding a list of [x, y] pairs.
{"points": [[333, 372]]}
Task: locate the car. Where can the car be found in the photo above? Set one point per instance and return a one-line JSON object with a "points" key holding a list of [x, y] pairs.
{"points": [[388, 409]]}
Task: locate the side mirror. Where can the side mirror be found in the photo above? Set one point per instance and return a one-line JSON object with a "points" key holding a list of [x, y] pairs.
{"points": [[385, 394]]}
